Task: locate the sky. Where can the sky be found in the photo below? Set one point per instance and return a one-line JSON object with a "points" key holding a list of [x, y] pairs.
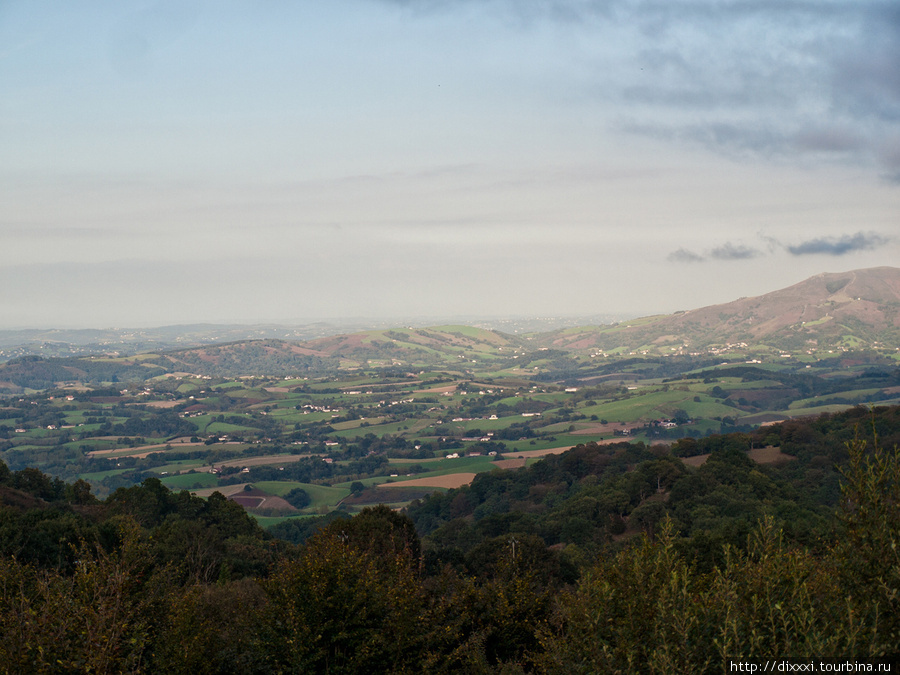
{"points": [[238, 161]]}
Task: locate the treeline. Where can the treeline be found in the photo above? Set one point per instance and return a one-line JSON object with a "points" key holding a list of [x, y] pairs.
{"points": [[44, 522], [35, 372], [313, 470], [799, 384], [153, 581], [565, 371]]}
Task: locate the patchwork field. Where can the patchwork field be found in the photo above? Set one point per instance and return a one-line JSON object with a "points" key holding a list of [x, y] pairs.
{"points": [[386, 429]]}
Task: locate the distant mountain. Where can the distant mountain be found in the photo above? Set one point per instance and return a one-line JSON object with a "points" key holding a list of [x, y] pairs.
{"points": [[849, 310]]}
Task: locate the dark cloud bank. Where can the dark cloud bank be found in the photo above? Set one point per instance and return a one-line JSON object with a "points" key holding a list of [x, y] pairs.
{"points": [[861, 241], [833, 246]]}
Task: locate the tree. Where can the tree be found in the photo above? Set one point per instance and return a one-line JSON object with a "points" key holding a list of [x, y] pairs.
{"points": [[869, 548], [380, 531], [79, 493], [649, 610], [681, 417], [298, 498], [340, 608], [215, 628], [100, 619], [38, 484]]}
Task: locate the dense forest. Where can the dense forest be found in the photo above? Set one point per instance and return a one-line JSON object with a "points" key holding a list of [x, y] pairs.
{"points": [[590, 497], [616, 558]]}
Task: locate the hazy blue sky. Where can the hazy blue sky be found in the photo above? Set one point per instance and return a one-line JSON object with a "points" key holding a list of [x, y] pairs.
{"points": [[170, 162]]}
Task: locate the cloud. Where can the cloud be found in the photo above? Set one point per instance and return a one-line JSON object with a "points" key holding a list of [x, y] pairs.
{"points": [[889, 158], [790, 80], [684, 256], [828, 140], [865, 75], [836, 246], [557, 10], [727, 251], [731, 251], [849, 243], [772, 244]]}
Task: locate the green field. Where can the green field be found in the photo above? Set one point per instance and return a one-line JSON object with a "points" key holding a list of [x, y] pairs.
{"points": [[322, 496], [190, 481], [370, 434]]}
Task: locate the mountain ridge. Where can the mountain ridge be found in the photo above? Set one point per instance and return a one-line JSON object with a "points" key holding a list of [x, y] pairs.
{"points": [[823, 310], [829, 313]]}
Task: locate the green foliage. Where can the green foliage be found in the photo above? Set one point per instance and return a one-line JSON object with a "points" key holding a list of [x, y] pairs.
{"points": [[100, 619], [154, 581], [214, 629], [869, 546], [593, 494], [379, 531], [44, 537], [779, 600], [649, 610], [489, 626], [639, 611], [201, 539], [298, 498], [38, 484], [298, 530], [342, 609]]}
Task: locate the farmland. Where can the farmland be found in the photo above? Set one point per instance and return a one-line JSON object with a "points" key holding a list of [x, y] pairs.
{"points": [[397, 434]]}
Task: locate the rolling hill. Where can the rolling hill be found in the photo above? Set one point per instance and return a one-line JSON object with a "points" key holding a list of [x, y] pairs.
{"points": [[826, 314], [422, 345]]}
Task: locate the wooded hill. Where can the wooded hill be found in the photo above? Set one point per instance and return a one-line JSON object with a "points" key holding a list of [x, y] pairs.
{"points": [[715, 490], [605, 559]]}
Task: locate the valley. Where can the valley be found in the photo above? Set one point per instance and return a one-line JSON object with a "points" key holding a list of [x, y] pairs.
{"points": [[360, 438], [391, 415]]}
